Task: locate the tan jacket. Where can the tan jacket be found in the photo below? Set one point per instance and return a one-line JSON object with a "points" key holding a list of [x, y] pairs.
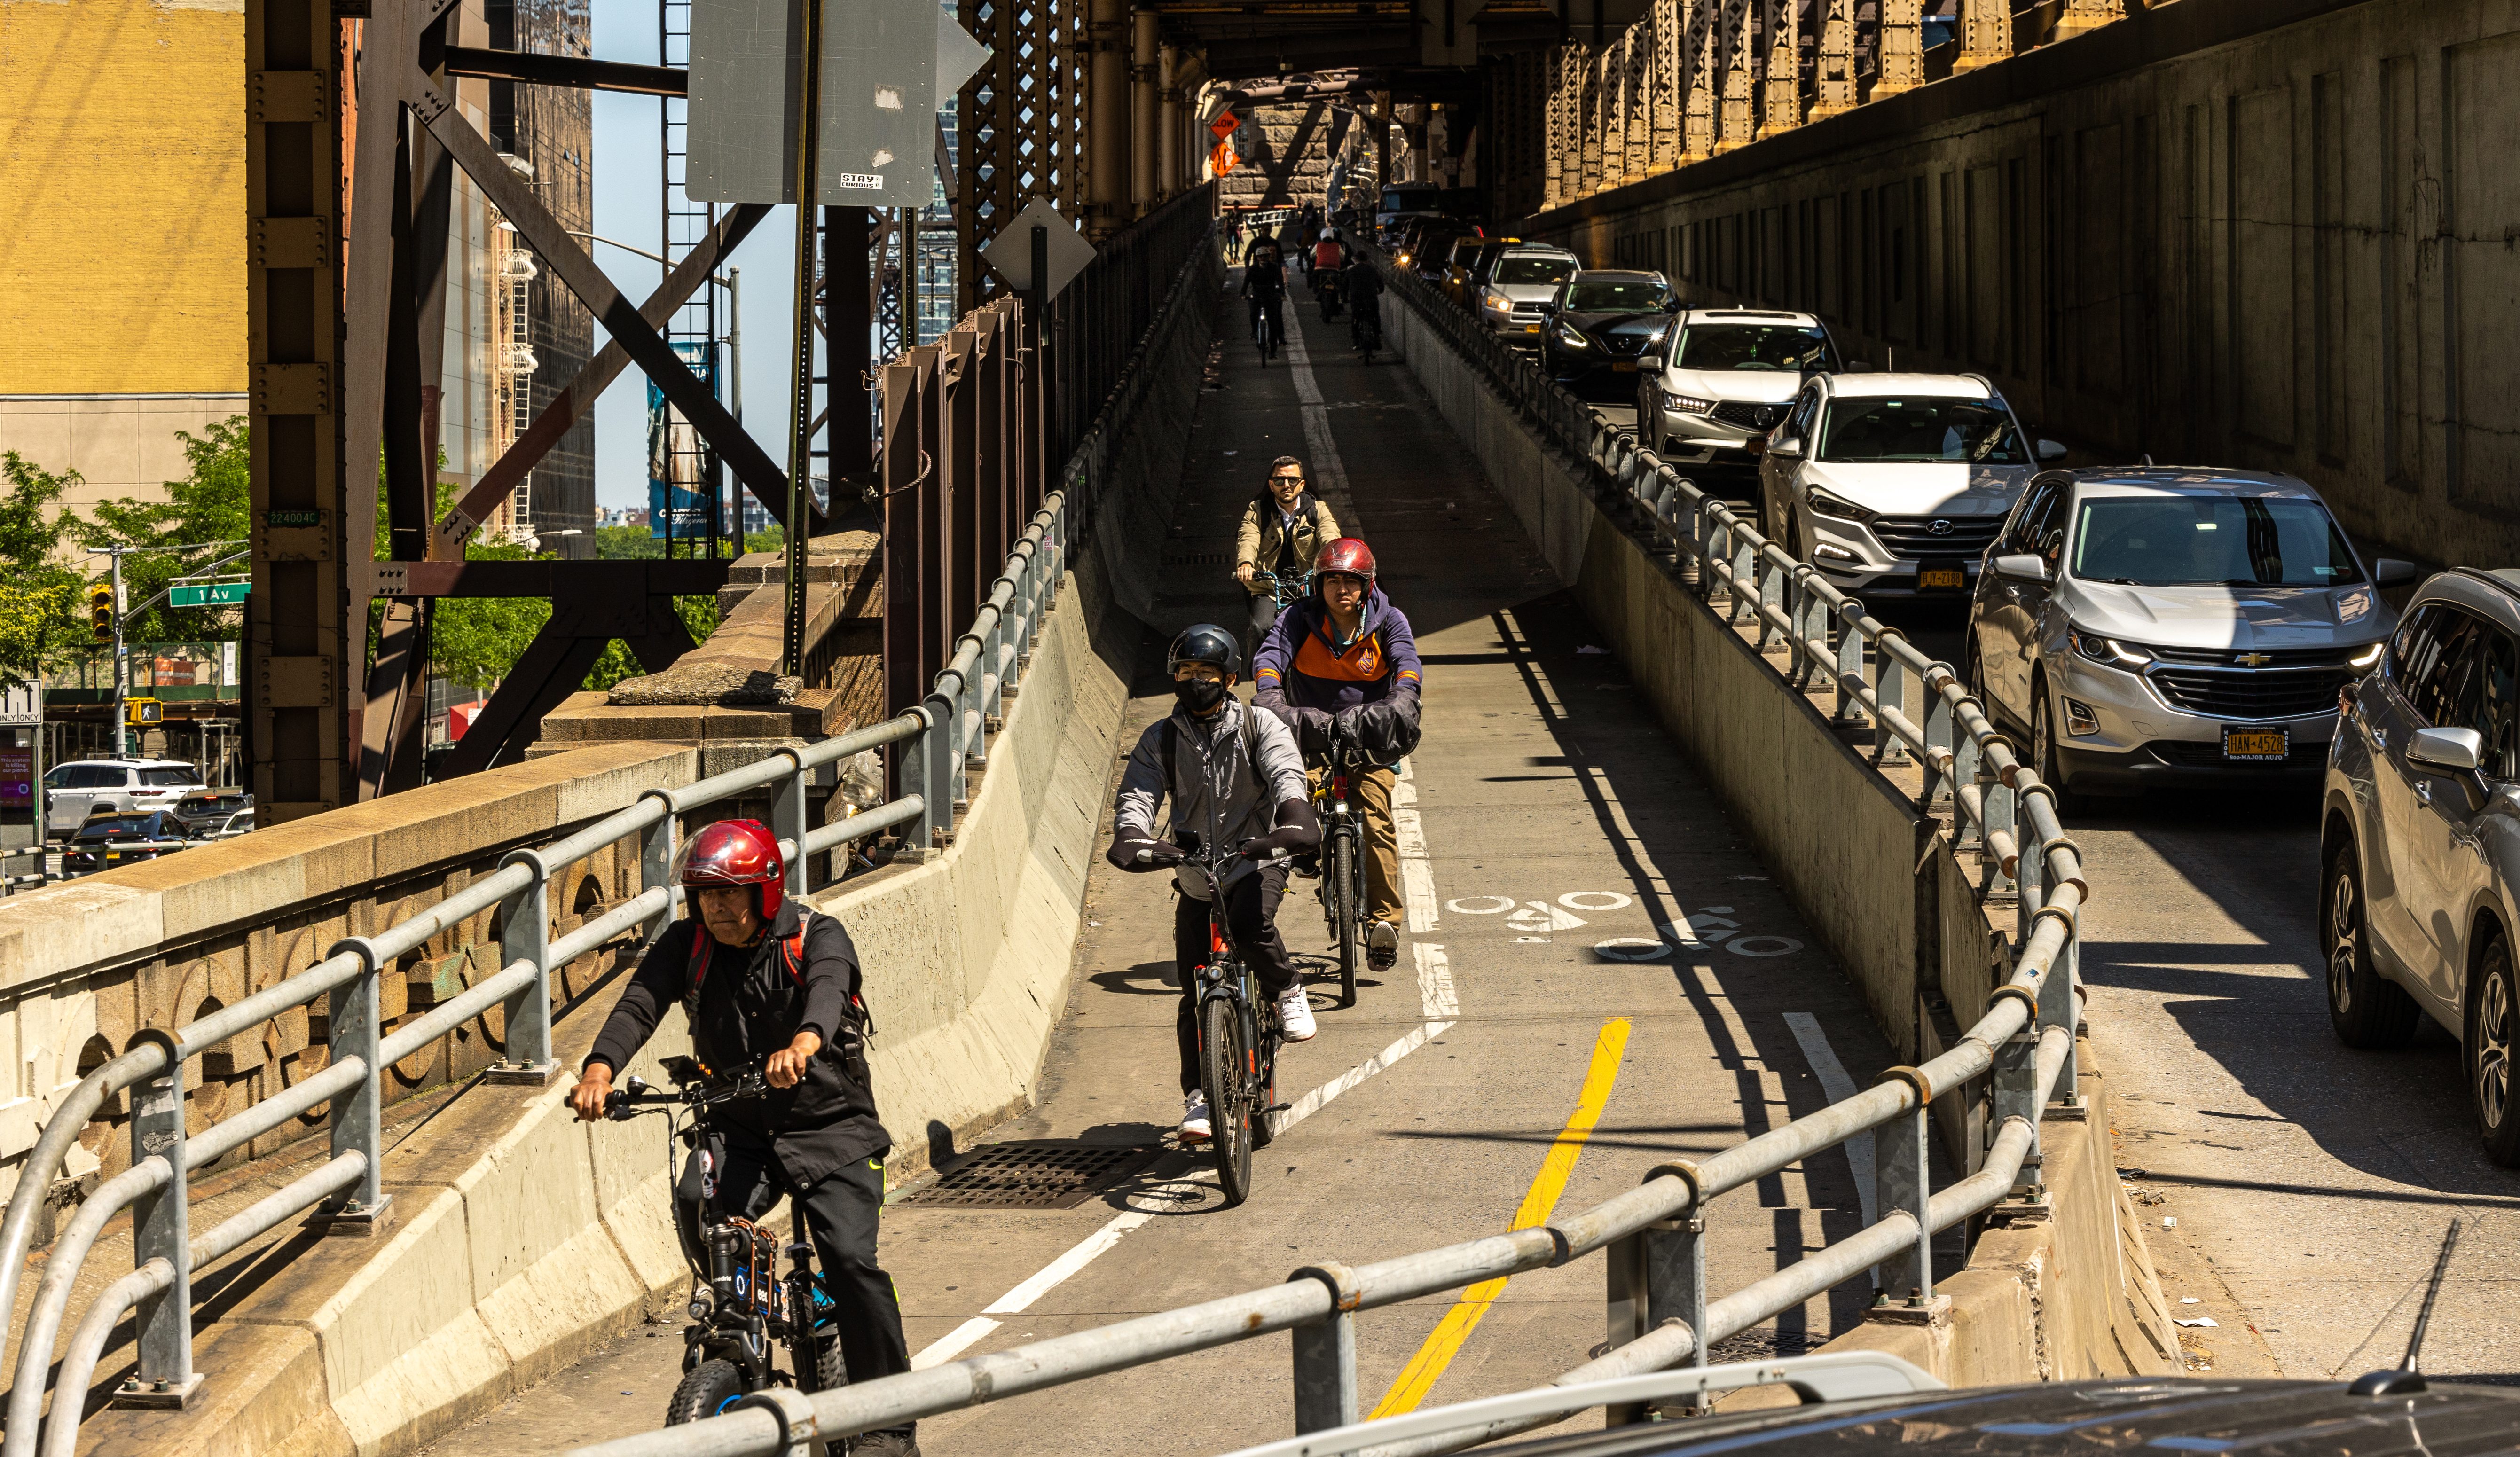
{"points": [[1261, 536]]}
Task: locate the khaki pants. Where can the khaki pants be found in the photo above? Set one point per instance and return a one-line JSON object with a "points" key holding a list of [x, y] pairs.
{"points": [[1372, 792]]}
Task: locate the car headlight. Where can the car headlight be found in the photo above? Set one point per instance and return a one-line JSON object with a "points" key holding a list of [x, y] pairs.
{"points": [[1572, 340], [1823, 504], [2110, 651], [1498, 301], [2367, 657], [1686, 404]]}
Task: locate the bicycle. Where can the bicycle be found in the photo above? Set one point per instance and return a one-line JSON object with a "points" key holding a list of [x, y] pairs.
{"points": [[1238, 1034], [1342, 891], [1365, 328], [1285, 592], [1266, 331], [741, 1310]]}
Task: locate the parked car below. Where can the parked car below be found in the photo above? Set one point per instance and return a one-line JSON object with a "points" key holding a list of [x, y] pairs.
{"points": [[212, 812], [76, 788], [110, 839]]}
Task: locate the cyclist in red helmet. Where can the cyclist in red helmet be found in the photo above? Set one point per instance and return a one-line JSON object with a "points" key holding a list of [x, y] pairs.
{"points": [[1348, 650], [763, 979]]}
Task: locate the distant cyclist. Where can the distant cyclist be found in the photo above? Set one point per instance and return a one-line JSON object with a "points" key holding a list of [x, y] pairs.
{"points": [[1346, 649], [1235, 781], [1283, 529], [1364, 302], [1328, 253], [1264, 284]]}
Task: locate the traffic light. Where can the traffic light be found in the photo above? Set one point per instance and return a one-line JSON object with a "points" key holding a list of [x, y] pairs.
{"points": [[142, 711], [100, 611]]}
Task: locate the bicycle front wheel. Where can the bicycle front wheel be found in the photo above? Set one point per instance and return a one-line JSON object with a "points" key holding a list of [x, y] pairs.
{"points": [[1224, 1076], [1341, 878]]}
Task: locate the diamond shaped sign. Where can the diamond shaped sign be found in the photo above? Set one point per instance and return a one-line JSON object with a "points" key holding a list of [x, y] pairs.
{"points": [[1010, 251]]}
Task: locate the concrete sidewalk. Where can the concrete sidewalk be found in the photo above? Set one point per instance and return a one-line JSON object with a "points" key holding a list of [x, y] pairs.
{"points": [[1563, 832]]}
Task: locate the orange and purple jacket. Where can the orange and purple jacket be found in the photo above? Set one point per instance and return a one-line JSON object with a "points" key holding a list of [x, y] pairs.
{"points": [[1301, 665]]}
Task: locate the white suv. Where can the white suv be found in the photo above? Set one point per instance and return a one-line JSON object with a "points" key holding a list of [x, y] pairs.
{"points": [[1894, 485], [1718, 380], [74, 790]]}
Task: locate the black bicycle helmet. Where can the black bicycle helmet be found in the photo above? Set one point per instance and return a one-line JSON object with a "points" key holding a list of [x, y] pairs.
{"points": [[1206, 643]]}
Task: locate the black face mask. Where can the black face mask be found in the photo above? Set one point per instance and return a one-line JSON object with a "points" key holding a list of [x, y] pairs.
{"points": [[1199, 694]]}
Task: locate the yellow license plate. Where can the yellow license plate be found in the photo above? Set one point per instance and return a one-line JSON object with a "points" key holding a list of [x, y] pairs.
{"points": [[2249, 744], [1623, 367], [1941, 579], [1531, 328]]}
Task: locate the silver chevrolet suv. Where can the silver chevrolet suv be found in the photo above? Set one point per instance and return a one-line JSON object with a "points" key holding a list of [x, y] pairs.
{"points": [[2421, 842]]}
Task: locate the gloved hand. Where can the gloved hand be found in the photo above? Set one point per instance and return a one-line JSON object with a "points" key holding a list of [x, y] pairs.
{"points": [[1296, 830], [1159, 855]]}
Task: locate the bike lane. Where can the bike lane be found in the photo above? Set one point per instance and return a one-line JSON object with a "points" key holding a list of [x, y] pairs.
{"points": [[1599, 977]]}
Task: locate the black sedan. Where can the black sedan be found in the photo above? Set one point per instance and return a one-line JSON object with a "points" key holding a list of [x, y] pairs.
{"points": [[1598, 323], [106, 841]]}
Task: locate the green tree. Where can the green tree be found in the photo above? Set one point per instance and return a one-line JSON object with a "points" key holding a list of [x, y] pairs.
{"points": [[40, 597], [210, 505]]}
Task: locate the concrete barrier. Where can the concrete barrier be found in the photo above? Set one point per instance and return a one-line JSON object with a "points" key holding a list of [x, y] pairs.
{"points": [[2057, 1293]]}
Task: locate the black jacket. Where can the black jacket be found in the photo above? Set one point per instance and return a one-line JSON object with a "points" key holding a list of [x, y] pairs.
{"points": [[749, 1006]]}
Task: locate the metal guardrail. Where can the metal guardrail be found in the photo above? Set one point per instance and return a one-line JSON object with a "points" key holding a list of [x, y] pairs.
{"points": [[946, 736], [1660, 1308]]}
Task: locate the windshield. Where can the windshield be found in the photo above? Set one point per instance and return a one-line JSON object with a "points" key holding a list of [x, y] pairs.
{"points": [[1631, 295], [2210, 540], [1535, 270], [168, 776], [1960, 433], [1754, 346], [1407, 199]]}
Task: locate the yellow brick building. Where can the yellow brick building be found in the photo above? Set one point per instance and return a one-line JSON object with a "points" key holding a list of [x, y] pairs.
{"points": [[122, 232]]}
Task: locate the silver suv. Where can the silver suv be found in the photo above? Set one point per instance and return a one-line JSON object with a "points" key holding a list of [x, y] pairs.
{"points": [[2421, 840], [80, 787], [1718, 381], [1513, 298], [2163, 624]]}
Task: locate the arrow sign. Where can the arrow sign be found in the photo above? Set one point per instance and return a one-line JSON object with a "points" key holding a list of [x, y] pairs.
{"points": [[1010, 251], [1222, 160]]}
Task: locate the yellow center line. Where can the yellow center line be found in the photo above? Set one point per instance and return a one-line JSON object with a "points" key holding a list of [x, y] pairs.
{"points": [[1427, 1365]]}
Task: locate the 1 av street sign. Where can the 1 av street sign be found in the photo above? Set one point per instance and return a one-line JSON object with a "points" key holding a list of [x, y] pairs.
{"points": [[209, 595]]}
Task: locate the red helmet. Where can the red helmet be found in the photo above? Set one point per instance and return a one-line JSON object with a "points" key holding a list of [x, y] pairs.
{"points": [[1348, 557], [736, 852]]}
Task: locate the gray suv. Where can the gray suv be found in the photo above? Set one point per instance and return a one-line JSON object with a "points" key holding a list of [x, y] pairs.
{"points": [[2167, 624], [2420, 840]]}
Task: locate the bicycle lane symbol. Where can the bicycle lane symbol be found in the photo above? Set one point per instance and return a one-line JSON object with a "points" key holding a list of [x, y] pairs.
{"points": [[1538, 920], [1700, 930]]}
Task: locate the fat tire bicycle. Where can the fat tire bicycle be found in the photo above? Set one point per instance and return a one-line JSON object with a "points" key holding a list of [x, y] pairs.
{"points": [[1343, 890], [743, 1311], [1238, 1034]]}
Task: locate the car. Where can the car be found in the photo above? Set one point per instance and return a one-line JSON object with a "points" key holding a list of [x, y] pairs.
{"points": [[2163, 625], [1518, 288], [1598, 324], [1403, 202], [110, 838], [1456, 262], [215, 812], [76, 788], [1893, 484], [1466, 276], [1722, 380], [2420, 841], [1436, 239], [1417, 235]]}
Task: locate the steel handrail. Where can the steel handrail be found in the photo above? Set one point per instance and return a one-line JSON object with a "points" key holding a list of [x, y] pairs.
{"points": [[1001, 631], [2024, 1038]]}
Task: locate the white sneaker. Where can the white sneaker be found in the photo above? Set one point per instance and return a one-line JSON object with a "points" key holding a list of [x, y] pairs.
{"points": [[1193, 1125], [1296, 1016]]}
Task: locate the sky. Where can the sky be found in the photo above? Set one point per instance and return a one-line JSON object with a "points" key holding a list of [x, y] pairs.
{"points": [[629, 207]]}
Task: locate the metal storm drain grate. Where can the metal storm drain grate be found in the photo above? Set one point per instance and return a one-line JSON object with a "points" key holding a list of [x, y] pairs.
{"points": [[1041, 1174]]}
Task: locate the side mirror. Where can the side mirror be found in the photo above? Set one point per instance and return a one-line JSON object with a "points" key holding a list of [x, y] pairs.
{"points": [[2050, 449], [2451, 749], [2021, 566], [1789, 449], [2389, 571], [1671, 305], [1549, 306], [1651, 364]]}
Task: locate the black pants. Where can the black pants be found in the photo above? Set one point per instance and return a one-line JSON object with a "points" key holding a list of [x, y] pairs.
{"points": [[1277, 307], [1264, 616], [840, 1213], [1251, 914]]}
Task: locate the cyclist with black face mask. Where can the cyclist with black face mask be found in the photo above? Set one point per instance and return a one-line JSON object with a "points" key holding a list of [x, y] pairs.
{"points": [[1236, 782]]}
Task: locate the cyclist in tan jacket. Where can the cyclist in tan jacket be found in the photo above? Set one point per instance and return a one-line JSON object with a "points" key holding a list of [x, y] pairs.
{"points": [[1283, 531]]}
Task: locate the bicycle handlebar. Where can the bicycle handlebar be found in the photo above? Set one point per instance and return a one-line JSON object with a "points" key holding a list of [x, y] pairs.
{"points": [[703, 1090]]}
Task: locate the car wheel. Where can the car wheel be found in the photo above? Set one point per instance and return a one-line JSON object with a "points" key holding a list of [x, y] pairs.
{"points": [[2491, 1008], [2045, 757], [2365, 1008]]}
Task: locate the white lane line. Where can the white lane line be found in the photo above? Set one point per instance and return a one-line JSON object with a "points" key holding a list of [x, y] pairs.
{"points": [[1328, 472], [1319, 1098], [1435, 982], [1416, 871], [952, 1344], [1839, 1087]]}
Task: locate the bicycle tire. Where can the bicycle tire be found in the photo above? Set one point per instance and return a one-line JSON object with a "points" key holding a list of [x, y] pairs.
{"points": [[1224, 1075], [704, 1392], [1342, 875]]}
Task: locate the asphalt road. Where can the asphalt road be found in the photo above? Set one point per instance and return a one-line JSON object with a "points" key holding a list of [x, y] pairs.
{"points": [[1506, 1066]]}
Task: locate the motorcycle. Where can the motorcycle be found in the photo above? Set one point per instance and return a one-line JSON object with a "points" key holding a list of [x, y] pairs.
{"points": [[1328, 287]]}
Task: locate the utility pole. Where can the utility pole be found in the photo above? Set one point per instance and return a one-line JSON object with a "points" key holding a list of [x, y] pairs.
{"points": [[800, 443], [122, 658]]}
